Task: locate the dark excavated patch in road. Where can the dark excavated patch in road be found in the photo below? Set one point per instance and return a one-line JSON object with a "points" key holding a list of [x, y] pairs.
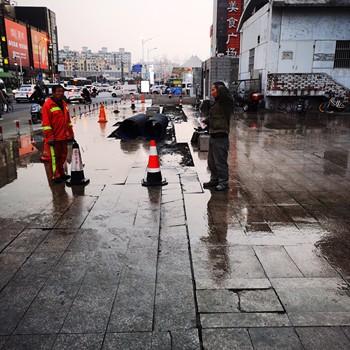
{"points": [[175, 154]]}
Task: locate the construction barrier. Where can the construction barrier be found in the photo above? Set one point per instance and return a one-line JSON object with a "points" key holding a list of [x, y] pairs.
{"points": [[18, 131]]}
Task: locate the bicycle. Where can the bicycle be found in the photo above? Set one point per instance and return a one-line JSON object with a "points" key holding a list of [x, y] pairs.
{"points": [[333, 104], [294, 105], [287, 106]]}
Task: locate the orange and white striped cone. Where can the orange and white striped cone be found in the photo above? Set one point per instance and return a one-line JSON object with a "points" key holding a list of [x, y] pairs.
{"points": [[77, 173], [154, 175], [143, 98]]}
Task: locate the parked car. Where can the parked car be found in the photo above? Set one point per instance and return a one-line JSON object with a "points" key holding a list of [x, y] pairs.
{"points": [[157, 89], [126, 89], [105, 87], [73, 94], [24, 92], [116, 91]]}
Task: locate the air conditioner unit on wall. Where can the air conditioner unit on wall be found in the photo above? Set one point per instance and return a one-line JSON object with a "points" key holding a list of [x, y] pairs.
{"points": [[254, 74]]}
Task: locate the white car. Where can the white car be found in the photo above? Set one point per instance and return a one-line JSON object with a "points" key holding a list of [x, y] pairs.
{"points": [[24, 92], [73, 94], [116, 91], [157, 89]]}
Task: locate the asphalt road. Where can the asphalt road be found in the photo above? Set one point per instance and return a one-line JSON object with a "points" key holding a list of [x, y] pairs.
{"points": [[21, 114]]}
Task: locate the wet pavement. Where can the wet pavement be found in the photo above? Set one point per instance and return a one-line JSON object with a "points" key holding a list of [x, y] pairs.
{"points": [[115, 265]]}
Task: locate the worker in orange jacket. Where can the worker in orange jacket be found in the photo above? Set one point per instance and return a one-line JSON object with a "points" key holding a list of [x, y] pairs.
{"points": [[58, 131]]}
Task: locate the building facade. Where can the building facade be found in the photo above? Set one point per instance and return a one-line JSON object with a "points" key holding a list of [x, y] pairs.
{"points": [[225, 45], [103, 64], [28, 46], [296, 47]]}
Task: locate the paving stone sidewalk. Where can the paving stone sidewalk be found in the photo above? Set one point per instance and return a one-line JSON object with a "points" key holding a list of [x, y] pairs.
{"points": [[115, 265]]}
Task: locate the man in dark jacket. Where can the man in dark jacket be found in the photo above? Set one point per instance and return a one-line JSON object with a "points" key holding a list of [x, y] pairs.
{"points": [[86, 95], [218, 123]]}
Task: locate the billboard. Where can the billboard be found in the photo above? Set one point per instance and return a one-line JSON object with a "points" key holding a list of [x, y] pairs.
{"points": [[234, 12], [39, 49], [17, 42]]}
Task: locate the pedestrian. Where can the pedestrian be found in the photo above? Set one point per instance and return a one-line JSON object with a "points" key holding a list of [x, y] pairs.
{"points": [[37, 96], [218, 123], [86, 95], [58, 131]]}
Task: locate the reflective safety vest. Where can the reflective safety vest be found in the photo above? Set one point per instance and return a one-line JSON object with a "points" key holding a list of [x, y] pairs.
{"points": [[56, 123]]}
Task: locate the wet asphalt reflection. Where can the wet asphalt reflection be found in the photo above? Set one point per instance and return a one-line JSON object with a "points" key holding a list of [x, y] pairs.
{"points": [[272, 251]]}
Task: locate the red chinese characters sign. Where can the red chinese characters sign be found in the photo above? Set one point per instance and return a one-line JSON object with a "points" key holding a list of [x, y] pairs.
{"points": [[17, 42], [234, 12], [39, 48]]}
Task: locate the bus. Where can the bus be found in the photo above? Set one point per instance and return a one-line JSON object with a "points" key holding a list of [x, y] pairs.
{"points": [[79, 82]]}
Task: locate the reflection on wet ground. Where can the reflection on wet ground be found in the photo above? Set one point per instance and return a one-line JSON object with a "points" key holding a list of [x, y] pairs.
{"points": [[264, 264], [279, 236], [289, 184]]}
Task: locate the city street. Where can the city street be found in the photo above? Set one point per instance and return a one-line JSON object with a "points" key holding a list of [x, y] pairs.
{"points": [[117, 265], [21, 113]]}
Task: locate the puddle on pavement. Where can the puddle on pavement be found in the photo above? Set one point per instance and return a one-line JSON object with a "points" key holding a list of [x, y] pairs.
{"points": [[16, 153], [177, 154]]}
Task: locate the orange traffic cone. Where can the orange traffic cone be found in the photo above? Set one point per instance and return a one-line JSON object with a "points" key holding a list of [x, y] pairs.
{"points": [[154, 176], [180, 102], [45, 157], [77, 172], [102, 116], [143, 98]]}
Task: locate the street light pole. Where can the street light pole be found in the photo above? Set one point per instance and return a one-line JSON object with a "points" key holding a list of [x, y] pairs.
{"points": [[19, 80], [16, 64], [143, 53], [149, 50], [143, 45]]}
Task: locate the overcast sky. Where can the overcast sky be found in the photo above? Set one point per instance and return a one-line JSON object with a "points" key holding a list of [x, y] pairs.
{"points": [[179, 28]]}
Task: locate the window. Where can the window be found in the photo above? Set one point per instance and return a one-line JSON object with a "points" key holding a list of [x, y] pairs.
{"points": [[251, 59], [342, 54]]}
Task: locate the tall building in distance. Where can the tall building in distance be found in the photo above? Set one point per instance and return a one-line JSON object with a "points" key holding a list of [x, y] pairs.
{"points": [[29, 43], [111, 65]]}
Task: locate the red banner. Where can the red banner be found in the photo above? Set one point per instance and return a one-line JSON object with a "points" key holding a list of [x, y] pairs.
{"points": [[39, 48], [234, 12], [17, 43]]}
